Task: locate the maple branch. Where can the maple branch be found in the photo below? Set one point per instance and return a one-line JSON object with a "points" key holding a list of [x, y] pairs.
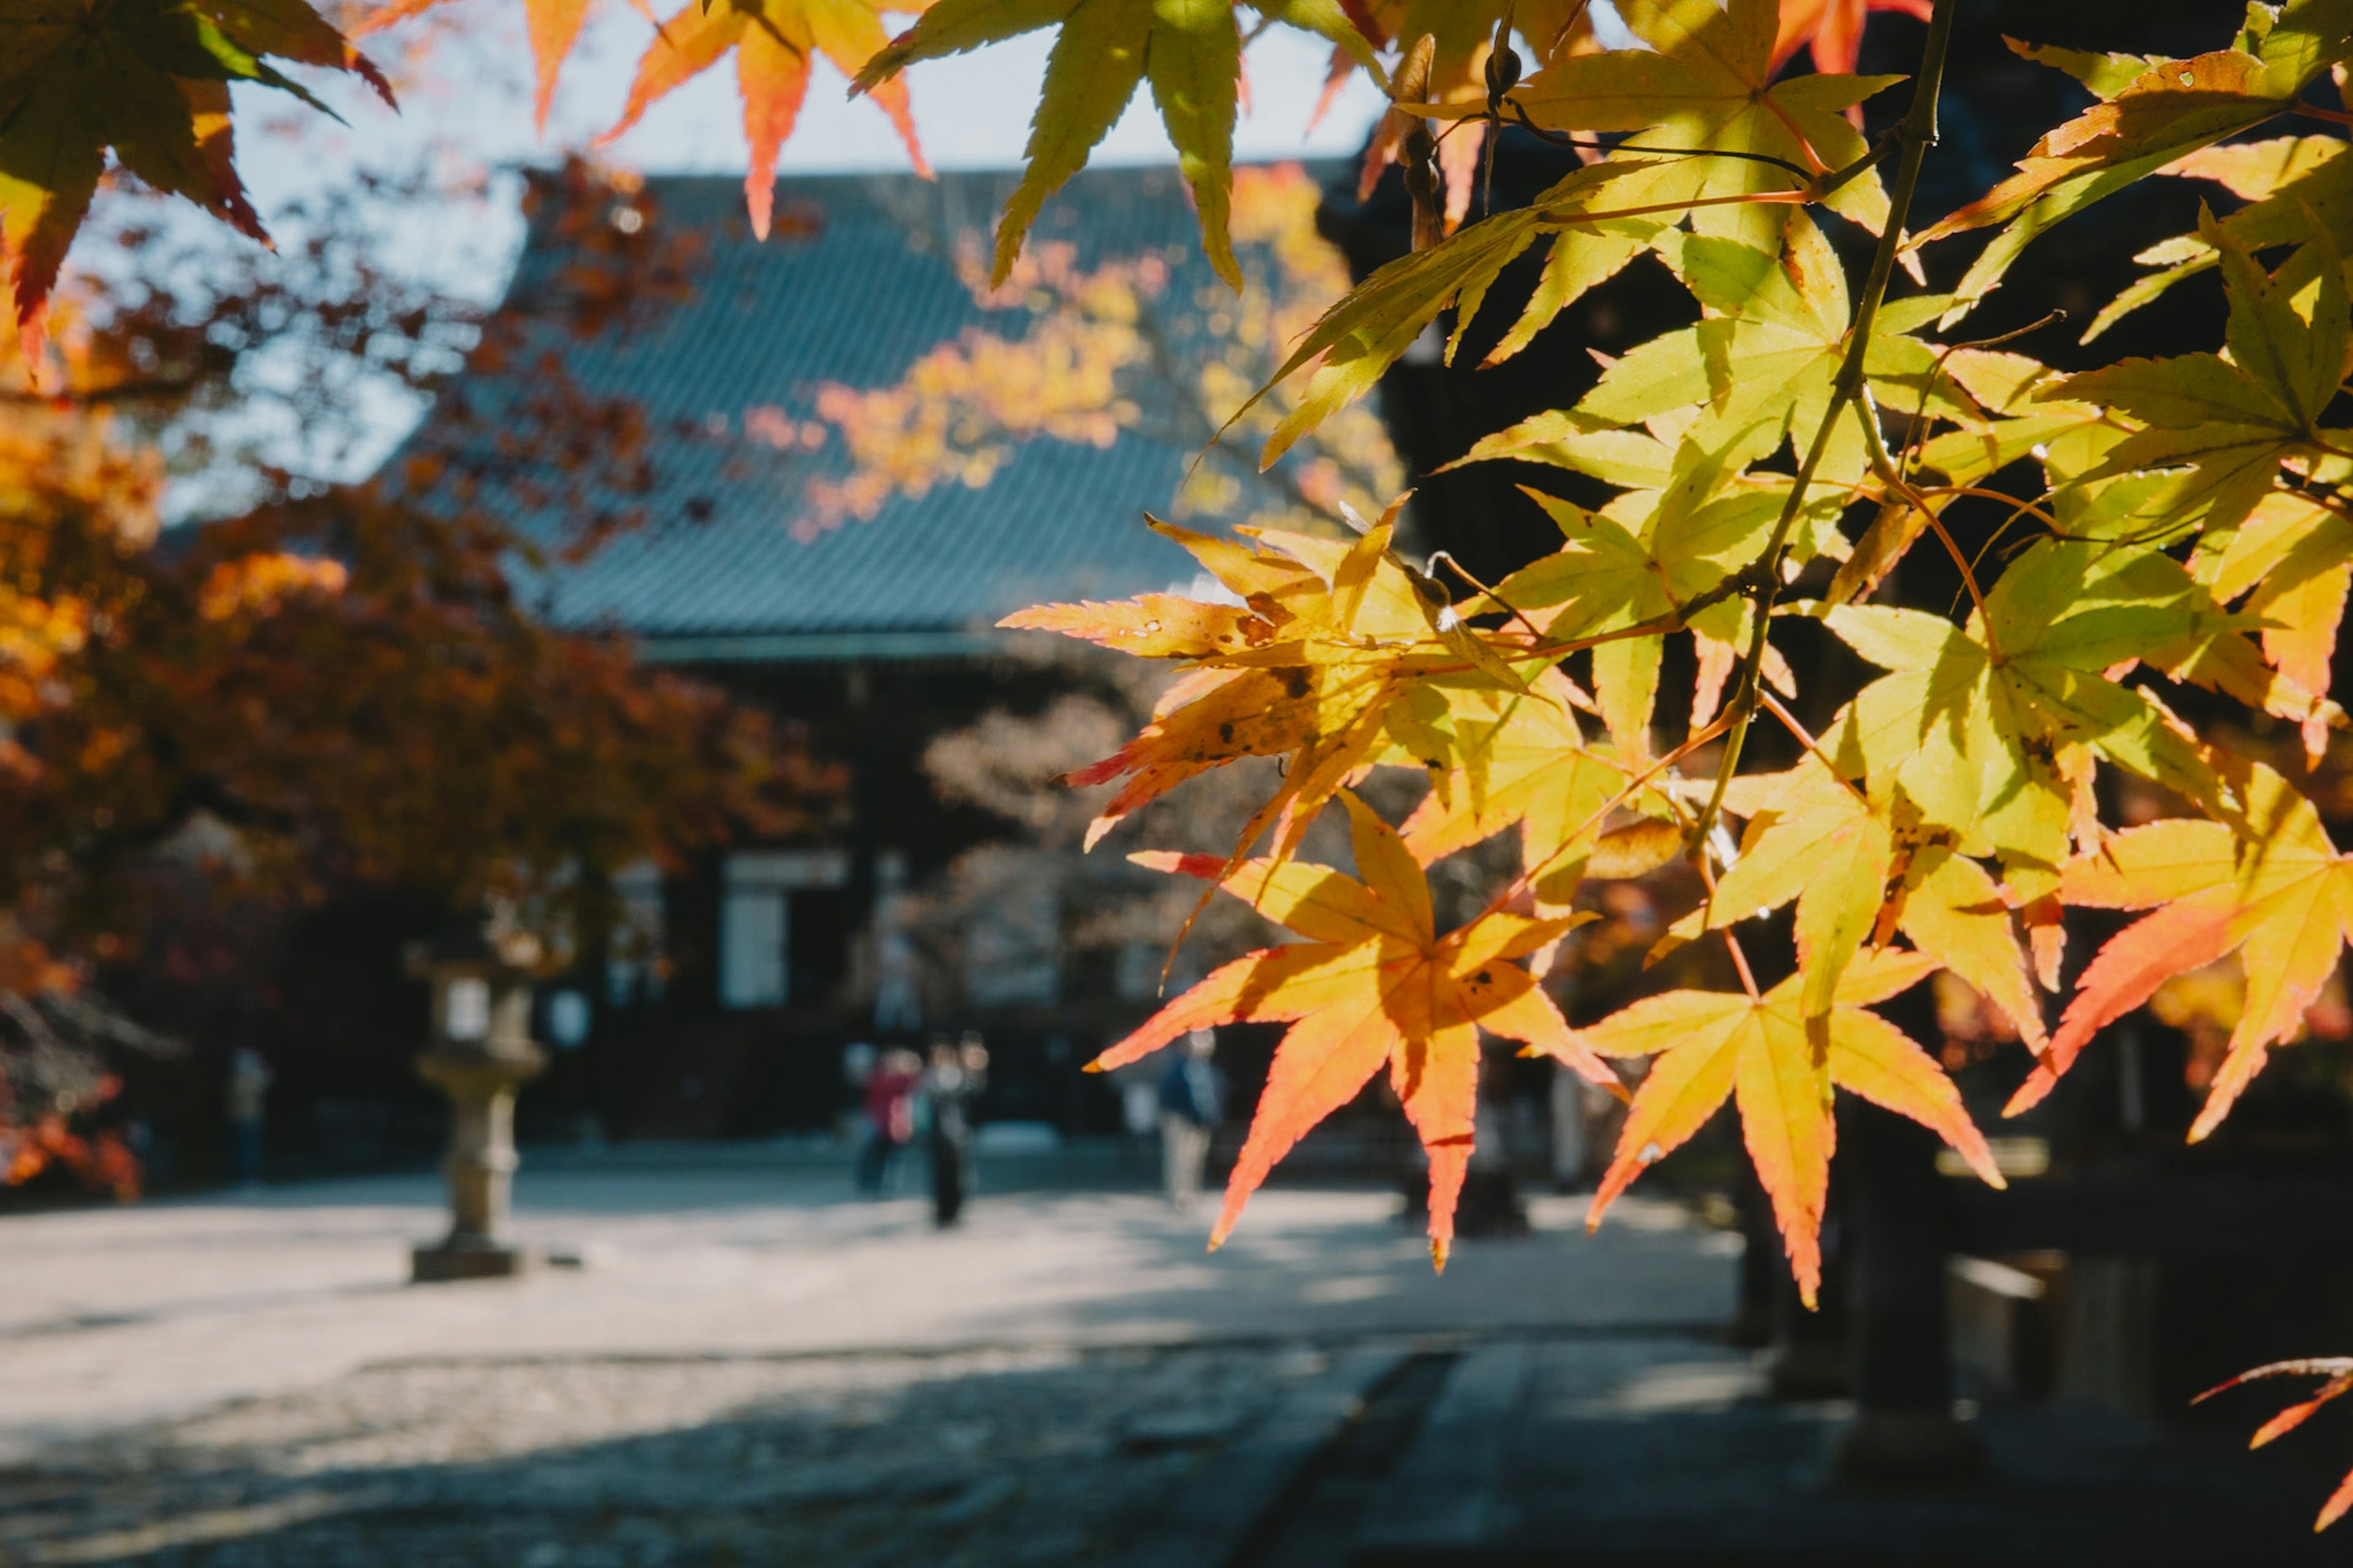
{"points": [[1915, 136], [1878, 154]]}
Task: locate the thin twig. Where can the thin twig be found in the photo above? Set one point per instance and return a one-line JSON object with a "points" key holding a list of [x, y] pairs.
{"points": [[1917, 136]]}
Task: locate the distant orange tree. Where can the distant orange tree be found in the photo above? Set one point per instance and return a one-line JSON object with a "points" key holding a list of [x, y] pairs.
{"points": [[341, 688]]}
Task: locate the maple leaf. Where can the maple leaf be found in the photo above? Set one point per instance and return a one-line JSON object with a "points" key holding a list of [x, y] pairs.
{"points": [[2338, 1373], [2269, 887], [1704, 84], [148, 81], [1707, 524], [1774, 337], [1760, 1052], [1978, 746], [1150, 625], [1814, 838], [2295, 554], [1189, 50], [2286, 182], [553, 27], [1337, 633], [2151, 112], [1354, 342], [1506, 759], [1832, 31], [2234, 421], [1499, 760], [775, 42], [1372, 985]]}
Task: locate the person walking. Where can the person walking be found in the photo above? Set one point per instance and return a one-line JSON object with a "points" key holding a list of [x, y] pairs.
{"points": [[890, 1115], [1192, 1105], [248, 1094], [957, 1075]]}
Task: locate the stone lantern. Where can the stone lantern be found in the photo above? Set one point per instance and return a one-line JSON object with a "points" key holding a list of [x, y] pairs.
{"points": [[482, 1053]]}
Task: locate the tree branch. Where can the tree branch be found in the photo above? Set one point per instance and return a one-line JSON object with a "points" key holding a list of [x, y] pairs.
{"points": [[1915, 136]]}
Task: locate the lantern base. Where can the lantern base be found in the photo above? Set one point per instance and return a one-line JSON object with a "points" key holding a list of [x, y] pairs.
{"points": [[448, 1261]]}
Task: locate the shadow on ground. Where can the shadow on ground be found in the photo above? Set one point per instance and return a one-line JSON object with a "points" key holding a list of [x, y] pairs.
{"points": [[1570, 1451]]}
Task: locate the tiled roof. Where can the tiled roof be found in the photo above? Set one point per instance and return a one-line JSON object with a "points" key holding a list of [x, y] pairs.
{"points": [[720, 571]]}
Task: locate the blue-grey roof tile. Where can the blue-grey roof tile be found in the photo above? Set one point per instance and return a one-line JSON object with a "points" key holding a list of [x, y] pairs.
{"points": [[855, 303]]}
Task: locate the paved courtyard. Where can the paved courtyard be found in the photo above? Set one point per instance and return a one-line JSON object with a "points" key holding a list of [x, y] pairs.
{"points": [[749, 1366]]}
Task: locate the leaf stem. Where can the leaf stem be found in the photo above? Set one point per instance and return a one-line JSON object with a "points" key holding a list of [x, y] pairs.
{"points": [[1884, 467], [1917, 136], [1731, 941]]}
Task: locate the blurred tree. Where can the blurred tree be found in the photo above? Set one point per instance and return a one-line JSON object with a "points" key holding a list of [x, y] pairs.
{"points": [[341, 686]]}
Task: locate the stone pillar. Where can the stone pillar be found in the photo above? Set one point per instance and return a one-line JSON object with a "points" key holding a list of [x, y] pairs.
{"points": [[481, 1054], [1903, 1431]]}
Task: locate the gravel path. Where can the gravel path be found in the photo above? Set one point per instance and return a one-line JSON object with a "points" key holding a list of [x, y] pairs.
{"points": [[1020, 1455], [753, 1367]]}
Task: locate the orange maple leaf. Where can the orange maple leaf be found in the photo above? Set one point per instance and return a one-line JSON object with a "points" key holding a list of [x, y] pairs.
{"points": [[1373, 985], [553, 25], [1758, 1051], [1329, 634], [1833, 28], [775, 41], [2339, 1371], [2273, 890]]}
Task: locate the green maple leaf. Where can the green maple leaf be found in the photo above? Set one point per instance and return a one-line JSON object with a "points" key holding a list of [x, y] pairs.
{"points": [[1813, 837], [1705, 87], [2286, 182], [1369, 329], [2018, 415], [1704, 83], [1978, 746], [1769, 350], [2231, 420], [2148, 118], [1189, 50], [147, 81], [1652, 551]]}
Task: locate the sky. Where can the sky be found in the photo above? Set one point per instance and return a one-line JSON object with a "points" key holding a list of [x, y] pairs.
{"points": [[468, 102], [466, 107]]}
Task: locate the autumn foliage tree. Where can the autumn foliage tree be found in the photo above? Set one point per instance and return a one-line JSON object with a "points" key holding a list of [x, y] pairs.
{"points": [[342, 687], [2172, 538]]}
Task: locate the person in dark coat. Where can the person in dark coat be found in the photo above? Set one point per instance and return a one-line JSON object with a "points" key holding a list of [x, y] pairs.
{"points": [[957, 1074], [1192, 1104]]}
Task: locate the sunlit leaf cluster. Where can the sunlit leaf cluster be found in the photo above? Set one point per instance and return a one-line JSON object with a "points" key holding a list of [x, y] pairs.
{"points": [[1772, 466]]}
